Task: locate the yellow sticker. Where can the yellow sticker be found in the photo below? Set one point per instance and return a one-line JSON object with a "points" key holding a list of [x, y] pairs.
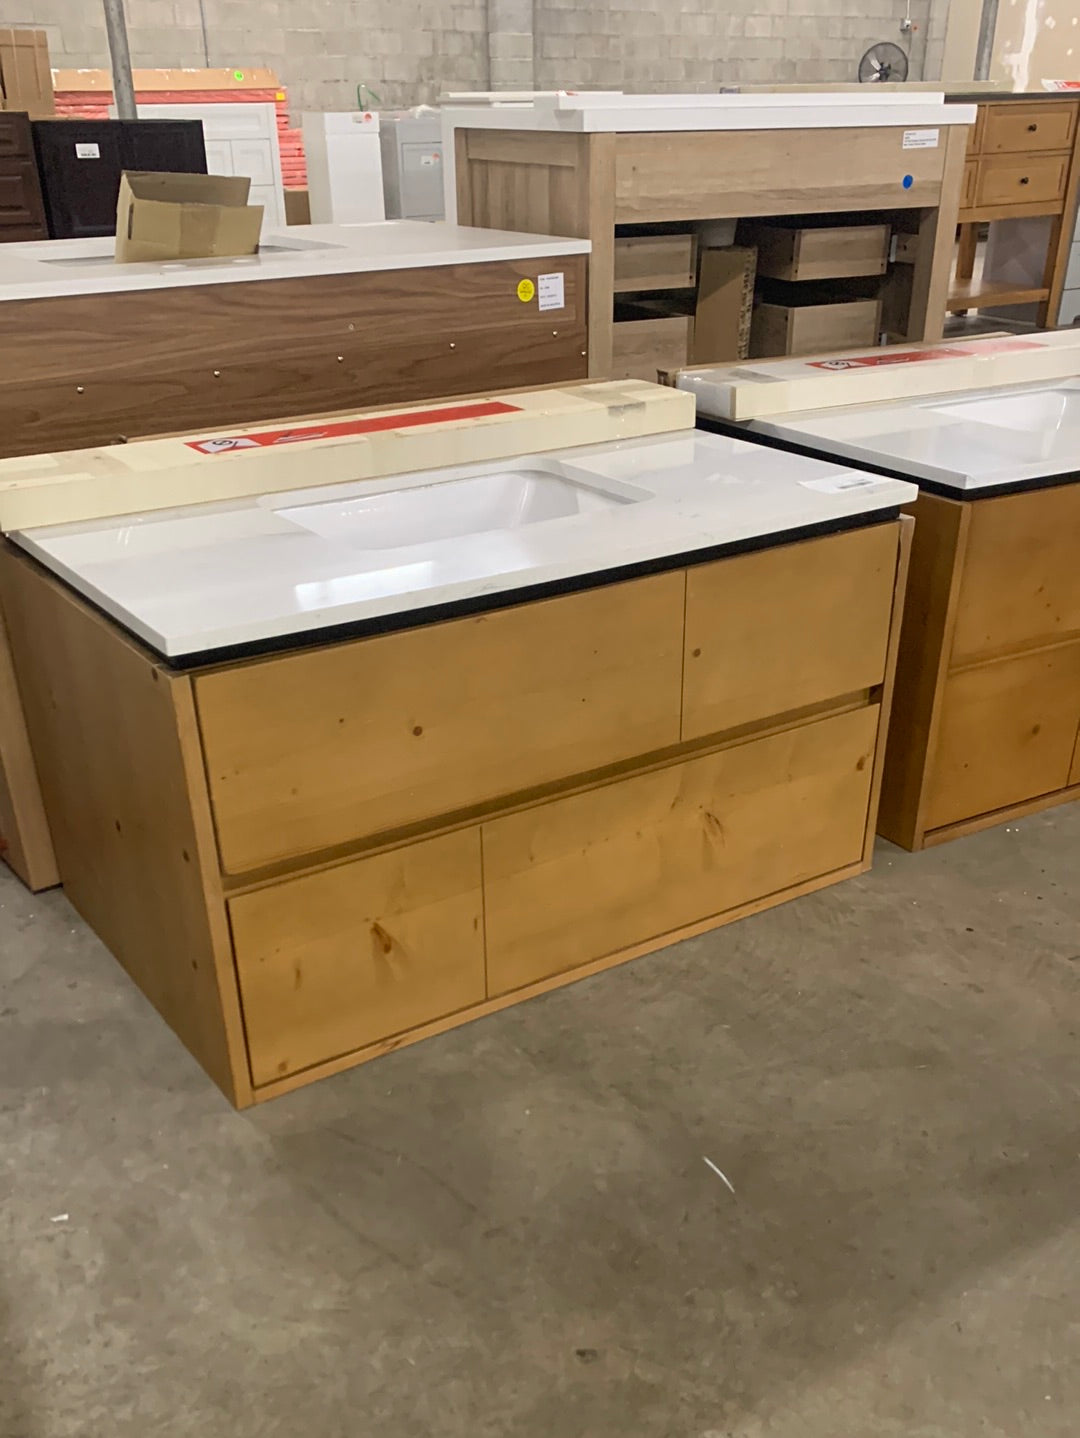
{"points": [[526, 290]]}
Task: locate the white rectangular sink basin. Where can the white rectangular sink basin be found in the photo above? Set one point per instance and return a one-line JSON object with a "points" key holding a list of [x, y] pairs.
{"points": [[502, 499], [1039, 409]]}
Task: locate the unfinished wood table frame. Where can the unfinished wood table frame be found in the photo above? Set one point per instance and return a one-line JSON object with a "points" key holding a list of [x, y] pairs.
{"points": [[309, 859], [584, 184]]}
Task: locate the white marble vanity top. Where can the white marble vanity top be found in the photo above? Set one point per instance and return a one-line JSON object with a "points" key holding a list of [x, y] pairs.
{"points": [[969, 441], [42, 269], [599, 111], [194, 580]]}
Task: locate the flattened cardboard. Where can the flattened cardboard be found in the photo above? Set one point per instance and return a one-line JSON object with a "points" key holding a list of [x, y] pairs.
{"points": [[25, 77], [162, 216], [724, 301]]}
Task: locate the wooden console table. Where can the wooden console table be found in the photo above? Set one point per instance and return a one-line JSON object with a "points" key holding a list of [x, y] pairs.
{"points": [[528, 168], [1022, 163]]}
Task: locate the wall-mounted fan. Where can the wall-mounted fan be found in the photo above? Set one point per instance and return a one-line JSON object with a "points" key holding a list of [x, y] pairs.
{"points": [[883, 62]]}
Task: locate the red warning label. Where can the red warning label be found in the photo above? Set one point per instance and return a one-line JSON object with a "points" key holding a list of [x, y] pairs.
{"points": [[887, 357], [305, 433]]}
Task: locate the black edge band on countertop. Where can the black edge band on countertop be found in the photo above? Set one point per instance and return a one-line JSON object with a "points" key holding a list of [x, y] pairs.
{"points": [[483, 604], [735, 430]]}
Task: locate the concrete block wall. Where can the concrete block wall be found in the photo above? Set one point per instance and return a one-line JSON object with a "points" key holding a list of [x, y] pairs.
{"points": [[701, 45], [406, 51]]}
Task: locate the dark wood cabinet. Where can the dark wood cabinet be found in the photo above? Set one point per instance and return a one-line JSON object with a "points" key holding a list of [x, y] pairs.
{"points": [[22, 215], [80, 163]]}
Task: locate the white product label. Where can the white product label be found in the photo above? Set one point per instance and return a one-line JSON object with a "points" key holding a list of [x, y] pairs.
{"points": [[88, 152], [428, 160], [921, 139], [551, 292], [841, 483]]}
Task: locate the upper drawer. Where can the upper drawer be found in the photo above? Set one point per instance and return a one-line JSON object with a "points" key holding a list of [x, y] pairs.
{"points": [[785, 628], [824, 252], [655, 262], [1021, 179], [1028, 127], [15, 139], [1021, 578], [321, 748]]}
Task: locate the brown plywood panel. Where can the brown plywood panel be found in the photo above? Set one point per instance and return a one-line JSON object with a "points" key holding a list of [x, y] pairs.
{"points": [[581, 877], [785, 628], [117, 752], [714, 174], [119, 365], [324, 748], [1007, 734], [1021, 580], [333, 961]]}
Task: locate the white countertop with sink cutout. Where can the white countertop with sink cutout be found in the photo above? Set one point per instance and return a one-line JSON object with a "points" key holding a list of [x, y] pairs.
{"points": [[193, 580]]}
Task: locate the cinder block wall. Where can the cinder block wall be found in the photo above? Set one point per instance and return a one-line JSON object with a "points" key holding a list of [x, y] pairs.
{"points": [[408, 50]]}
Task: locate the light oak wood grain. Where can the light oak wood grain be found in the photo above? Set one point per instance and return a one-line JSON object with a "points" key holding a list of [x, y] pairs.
{"points": [[25, 841], [358, 953], [716, 174], [1021, 582], [925, 640], [121, 773], [315, 749], [787, 627], [1008, 731], [578, 878]]}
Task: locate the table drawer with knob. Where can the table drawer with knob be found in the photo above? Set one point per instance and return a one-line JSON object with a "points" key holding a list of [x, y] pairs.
{"points": [[1015, 128], [1021, 179]]}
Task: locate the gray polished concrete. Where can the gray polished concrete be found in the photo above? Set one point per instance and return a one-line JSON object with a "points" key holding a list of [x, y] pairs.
{"points": [[511, 1229]]}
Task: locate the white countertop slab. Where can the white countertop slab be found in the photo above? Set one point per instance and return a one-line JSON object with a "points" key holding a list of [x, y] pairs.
{"points": [[42, 269], [195, 580], [628, 114], [969, 441]]}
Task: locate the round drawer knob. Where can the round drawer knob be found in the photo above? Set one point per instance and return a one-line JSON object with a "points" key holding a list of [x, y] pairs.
{"points": [[1032, 127], [1023, 179]]}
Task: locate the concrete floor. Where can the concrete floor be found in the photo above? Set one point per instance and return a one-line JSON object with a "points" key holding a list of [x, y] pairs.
{"points": [[510, 1230]]}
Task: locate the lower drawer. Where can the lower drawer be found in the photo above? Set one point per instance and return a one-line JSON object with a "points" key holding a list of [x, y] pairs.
{"points": [[641, 347], [594, 873], [802, 329], [1007, 734], [1021, 179], [333, 961]]}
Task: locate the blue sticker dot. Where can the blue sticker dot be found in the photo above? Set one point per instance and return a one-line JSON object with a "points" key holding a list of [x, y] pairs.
{"points": [[907, 182]]}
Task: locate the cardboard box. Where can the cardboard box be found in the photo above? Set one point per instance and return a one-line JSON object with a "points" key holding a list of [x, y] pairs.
{"points": [[25, 76], [162, 216], [725, 300]]}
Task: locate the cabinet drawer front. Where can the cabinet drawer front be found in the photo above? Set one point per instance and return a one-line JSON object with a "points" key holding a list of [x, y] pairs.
{"points": [[1029, 127], [1021, 179], [784, 628], [828, 252], [1007, 734], [20, 202], [322, 748], [15, 139], [589, 875], [333, 961], [655, 262], [1021, 579], [779, 329], [642, 347]]}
